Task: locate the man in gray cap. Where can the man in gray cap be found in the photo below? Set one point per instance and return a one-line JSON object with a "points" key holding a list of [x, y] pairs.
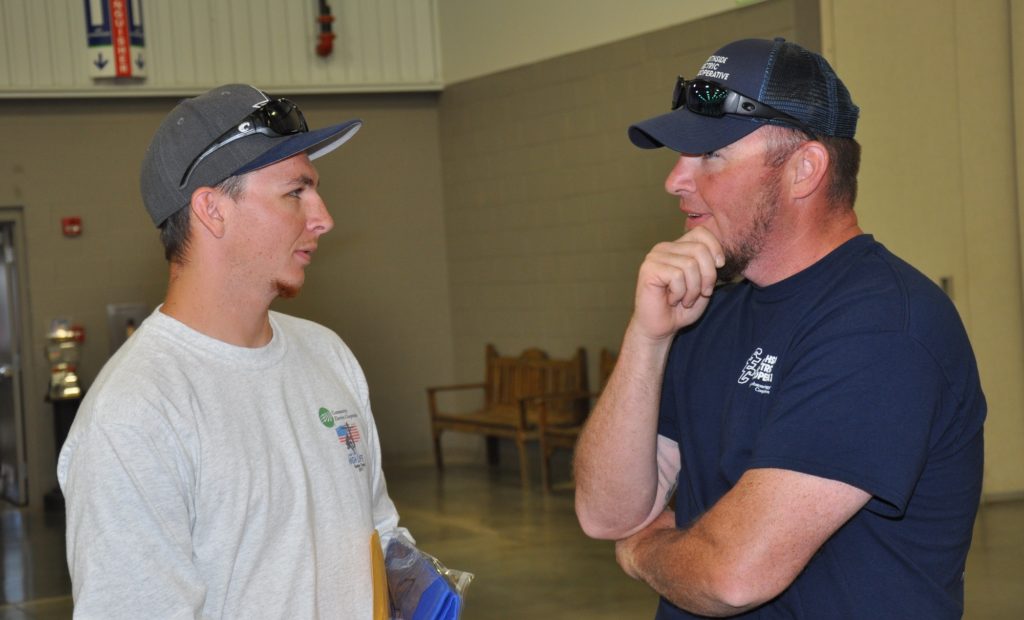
{"points": [[819, 421], [225, 462]]}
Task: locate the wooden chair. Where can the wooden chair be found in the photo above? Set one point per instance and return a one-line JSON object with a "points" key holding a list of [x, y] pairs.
{"points": [[509, 410], [556, 435]]}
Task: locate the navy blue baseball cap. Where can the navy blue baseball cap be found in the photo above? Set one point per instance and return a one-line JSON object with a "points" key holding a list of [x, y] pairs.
{"points": [[781, 75], [226, 131]]}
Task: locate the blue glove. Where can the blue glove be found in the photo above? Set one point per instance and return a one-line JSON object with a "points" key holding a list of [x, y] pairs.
{"points": [[418, 589]]}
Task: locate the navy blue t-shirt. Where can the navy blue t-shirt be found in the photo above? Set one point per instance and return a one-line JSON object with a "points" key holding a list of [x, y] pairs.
{"points": [[856, 369]]}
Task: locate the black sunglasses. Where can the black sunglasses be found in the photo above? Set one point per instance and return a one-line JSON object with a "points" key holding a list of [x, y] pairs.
{"points": [[711, 99], [275, 118]]}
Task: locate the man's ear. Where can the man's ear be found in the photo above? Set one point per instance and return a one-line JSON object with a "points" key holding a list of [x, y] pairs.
{"points": [[207, 205], [810, 169]]}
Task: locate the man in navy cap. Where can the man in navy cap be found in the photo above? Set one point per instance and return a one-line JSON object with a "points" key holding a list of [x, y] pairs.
{"points": [[225, 463], [816, 419]]}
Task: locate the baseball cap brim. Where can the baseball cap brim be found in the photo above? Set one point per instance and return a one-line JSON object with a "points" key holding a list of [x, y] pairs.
{"points": [[316, 143], [693, 134]]}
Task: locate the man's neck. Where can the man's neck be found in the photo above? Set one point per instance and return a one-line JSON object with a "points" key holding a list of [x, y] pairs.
{"points": [[799, 250], [236, 317]]}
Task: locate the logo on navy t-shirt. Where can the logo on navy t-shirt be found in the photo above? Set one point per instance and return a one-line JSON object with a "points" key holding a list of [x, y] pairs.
{"points": [[757, 372]]}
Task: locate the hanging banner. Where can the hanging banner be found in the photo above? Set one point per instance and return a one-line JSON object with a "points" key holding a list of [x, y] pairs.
{"points": [[116, 39]]}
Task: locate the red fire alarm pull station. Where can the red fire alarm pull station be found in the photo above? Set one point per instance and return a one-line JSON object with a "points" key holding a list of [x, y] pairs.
{"points": [[71, 226]]}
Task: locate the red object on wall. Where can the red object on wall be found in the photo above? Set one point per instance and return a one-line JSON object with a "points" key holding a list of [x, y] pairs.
{"points": [[71, 226], [326, 39]]}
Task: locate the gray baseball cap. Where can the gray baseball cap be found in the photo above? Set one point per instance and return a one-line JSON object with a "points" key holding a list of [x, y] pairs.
{"points": [[228, 130]]}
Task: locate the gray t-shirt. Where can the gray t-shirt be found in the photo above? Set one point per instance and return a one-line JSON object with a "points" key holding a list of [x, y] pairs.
{"points": [[208, 480]]}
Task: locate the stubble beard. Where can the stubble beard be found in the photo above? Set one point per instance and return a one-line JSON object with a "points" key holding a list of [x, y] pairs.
{"points": [[287, 290], [765, 207]]}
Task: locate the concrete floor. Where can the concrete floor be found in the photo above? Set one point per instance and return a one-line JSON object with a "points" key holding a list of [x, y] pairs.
{"points": [[529, 558]]}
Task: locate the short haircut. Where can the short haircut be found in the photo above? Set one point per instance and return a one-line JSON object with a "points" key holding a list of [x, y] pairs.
{"points": [[174, 232], [843, 154]]}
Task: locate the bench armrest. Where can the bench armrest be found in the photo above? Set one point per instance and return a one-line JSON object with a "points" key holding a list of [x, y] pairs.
{"points": [[540, 402], [433, 391], [458, 386]]}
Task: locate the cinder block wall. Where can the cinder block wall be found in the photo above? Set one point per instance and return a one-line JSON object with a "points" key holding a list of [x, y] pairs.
{"points": [[549, 209]]}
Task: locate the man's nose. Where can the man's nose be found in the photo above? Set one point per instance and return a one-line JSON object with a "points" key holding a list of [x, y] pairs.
{"points": [[680, 178], [320, 220]]}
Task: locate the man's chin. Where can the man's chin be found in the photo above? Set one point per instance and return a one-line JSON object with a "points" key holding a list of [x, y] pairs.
{"points": [[733, 268], [287, 290]]}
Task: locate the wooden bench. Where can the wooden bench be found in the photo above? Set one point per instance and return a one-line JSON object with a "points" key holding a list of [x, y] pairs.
{"points": [[555, 434], [509, 409]]}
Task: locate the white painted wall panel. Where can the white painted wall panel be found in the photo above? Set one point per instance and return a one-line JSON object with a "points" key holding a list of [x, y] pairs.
{"points": [[191, 45], [67, 30]]}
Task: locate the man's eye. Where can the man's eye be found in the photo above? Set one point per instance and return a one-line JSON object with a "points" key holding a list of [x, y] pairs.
{"points": [[710, 155]]}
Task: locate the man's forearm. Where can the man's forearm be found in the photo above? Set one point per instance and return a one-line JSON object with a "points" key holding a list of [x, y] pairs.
{"points": [[616, 468], [748, 547], [681, 566], [616, 457]]}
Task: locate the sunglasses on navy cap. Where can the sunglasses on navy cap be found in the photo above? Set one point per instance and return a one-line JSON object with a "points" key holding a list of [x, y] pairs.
{"points": [[275, 118], [714, 100]]}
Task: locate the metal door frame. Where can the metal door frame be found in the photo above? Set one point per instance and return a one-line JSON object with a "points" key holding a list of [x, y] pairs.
{"points": [[21, 345]]}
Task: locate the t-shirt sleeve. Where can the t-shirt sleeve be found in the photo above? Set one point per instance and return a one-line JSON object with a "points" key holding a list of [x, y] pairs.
{"points": [[857, 409], [667, 421], [129, 512]]}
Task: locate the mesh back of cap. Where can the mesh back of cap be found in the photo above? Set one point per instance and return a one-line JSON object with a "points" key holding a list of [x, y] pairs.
{"points": [[803, 85]]}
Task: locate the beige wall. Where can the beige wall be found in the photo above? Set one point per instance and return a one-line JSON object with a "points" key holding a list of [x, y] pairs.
{"points": [[379, 278], [938, 182], [481, 37]]}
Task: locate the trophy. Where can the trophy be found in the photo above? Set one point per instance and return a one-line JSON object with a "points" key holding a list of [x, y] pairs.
{"points": [[63, 349]]}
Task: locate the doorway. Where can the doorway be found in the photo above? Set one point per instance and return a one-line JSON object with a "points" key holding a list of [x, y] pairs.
{"points": [[13, 457]]}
